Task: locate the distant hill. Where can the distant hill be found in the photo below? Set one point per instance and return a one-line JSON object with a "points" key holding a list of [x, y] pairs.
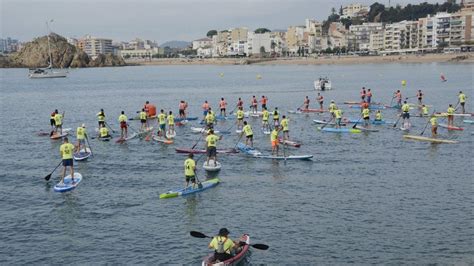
{"points": [[176, 44]]}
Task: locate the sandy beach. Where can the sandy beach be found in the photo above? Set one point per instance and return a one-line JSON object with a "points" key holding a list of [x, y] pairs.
{"points": [[323, 60]]}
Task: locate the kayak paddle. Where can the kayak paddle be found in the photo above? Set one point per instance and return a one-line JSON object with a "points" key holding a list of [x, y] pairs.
{"points": [[201, 235], [49, 176], [427, 124]]}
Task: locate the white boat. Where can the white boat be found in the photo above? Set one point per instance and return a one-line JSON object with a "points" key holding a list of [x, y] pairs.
{"points": [[322, 84], [48, 72]]}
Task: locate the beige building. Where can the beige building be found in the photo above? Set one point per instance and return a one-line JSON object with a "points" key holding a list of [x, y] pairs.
{"points": [[354, 10], [461, 28], [337, 35], [376, 40], [220, 43], [295, 38], [94, 46], [239, 34]]}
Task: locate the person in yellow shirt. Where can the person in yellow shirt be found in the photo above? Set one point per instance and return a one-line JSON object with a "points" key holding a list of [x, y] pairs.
{"points": [[104, 133], [81, 134], [101, 118], [338, 115], [66, 150], [462, 101], [406, 114], [223, 246], [424, 110], [52, 122], [276, 117], [450, 112], [247, 130], [366, 117], [123, 125], [143, 120], [210, 118], [162, 123], [211, 146], [286, 127], [190, 170], [265, 117], [332, 107], [240, 118], [434, 126], [274, 140], [170, 123], [58, 121], [378, 115]]}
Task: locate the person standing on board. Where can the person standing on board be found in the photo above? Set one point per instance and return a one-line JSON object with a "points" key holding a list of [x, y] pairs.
{"points": [[81, 134], [205, 109], [247, 130], [450, 112], [406, 115], [362, 94], [182, 109], [211, 147], [366, 117], [254, 104], [286, 127], [66, 150], [369, 96], [170, 123], [378, 116], [240, 118], [320, 100], [210, 118], [419, 96], [161, 123], [424, 110], [434, 126], [190, 170], [332, 108], [274, 140], [462, 101], [306, 103], [101, 118], [52, 122], [240, 103], [338, 116], [265, 117], [264, 101], [58, 121], [123, 125], [143, 120], [276, 117], [223, 105], [398, 97]]}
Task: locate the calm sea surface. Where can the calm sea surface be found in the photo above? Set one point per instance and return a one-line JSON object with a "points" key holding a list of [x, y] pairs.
{"points": [[364, 198]]}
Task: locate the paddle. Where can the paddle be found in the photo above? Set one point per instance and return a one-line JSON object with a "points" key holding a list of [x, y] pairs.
{"points": [[49, 176], [357, 122], [456, 107], [201, 235], [427, 123], [392, 101], [111, 129], [327, 122], [396, 122], [231, 112], [87, 139], [299, 108]]}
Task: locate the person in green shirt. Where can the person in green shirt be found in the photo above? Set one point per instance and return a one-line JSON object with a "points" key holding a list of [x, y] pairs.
{"points": [[162, 123], [286, 127], [434, 126], [211, 147], [240, 118], [190, 170], [247, 130], [81, 134], [274, 140], [265, 117], [170, 123], [58, 121], [66, 150], [223, 246], [462, 101], [101, 118], [143, 120]]}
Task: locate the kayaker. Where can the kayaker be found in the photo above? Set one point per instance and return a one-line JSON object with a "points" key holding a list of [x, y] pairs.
{"points": [[240, 118], [211, 147], [362, 94], [223, 246], [462, 101], [162, 123], [332, 108], [51, 122], [450, 112], [66, 150], [123, 125], [182, 109], [101, 118], [378, 116], [265, 117], [170, 123], [398, 97], [286, 128], [81, 134], [254, 104], [320, 100], [274, 140], [434, 126], [338, 116], [58, 121], [247, 130], [419, 96], [263, 101], [143, 120], [205, 109], [104, 133], [223, 105], [190, 170], [306, 103], [366, 117], [424, 110], [406, 114], [369, 96], [276, 117], [210, 118]]}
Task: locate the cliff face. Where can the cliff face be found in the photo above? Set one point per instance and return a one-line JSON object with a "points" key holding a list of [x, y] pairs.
{"points": [[35, 54]]}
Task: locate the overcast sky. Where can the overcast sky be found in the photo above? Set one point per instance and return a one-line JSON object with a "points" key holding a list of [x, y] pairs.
{"points": [[160, 20]]}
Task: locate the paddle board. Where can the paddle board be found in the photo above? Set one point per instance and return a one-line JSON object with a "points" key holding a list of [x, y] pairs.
{"points": [[433, 140], [291, 157], [468, 121], [339, 130], [82, 154], [326, 122], [238, 131], [446, 114], [220, 151], [163, 140], [211, 167], [450, 127], [367, 129], [190, 190], [105, 139], [372, 107], [68, 185], [189, 118], [143, 133], [59, 136], [172, 135], [247, 149], [266, 131], [201, 130], [289, 142], [132, 136]]}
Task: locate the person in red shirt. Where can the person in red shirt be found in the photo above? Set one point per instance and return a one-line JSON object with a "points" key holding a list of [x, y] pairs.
{"points": [[182, 109], [264, 101], [205, 109], [223, 105], [369, 96], [254, 104]]}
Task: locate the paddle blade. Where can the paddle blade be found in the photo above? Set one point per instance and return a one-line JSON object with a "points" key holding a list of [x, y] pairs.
{"points": [[197, 234], [260, 246], [47, 177]]}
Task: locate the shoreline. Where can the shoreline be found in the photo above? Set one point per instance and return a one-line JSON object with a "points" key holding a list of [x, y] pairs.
{"points": [[466, 58]]}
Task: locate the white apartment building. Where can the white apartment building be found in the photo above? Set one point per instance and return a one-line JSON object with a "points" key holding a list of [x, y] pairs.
{"points": [[354, 10], [278, 42], [376, 41], [237, 48], [140, 53], [202, 43], [255, 42], [220, 43], [94, 46]]}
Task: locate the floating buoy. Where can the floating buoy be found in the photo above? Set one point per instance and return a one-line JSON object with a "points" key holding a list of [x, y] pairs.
{"points": [[221, 74], [259, 76], [404, 83]]}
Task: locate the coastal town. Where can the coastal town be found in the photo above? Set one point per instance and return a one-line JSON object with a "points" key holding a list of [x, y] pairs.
{"points": [[355, 30]]}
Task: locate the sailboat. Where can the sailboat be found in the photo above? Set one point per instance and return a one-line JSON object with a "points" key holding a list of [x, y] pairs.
{"points": [[48, 72]]}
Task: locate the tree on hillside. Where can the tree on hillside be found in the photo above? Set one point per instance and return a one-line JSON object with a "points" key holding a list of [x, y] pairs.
{"points": [[211, 33], [340, 11], [375, 10], [333, 11], [326, 23], [262, 30]]}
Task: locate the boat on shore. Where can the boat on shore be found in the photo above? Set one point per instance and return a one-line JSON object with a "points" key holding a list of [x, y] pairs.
{"points": [[322, 84]]}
